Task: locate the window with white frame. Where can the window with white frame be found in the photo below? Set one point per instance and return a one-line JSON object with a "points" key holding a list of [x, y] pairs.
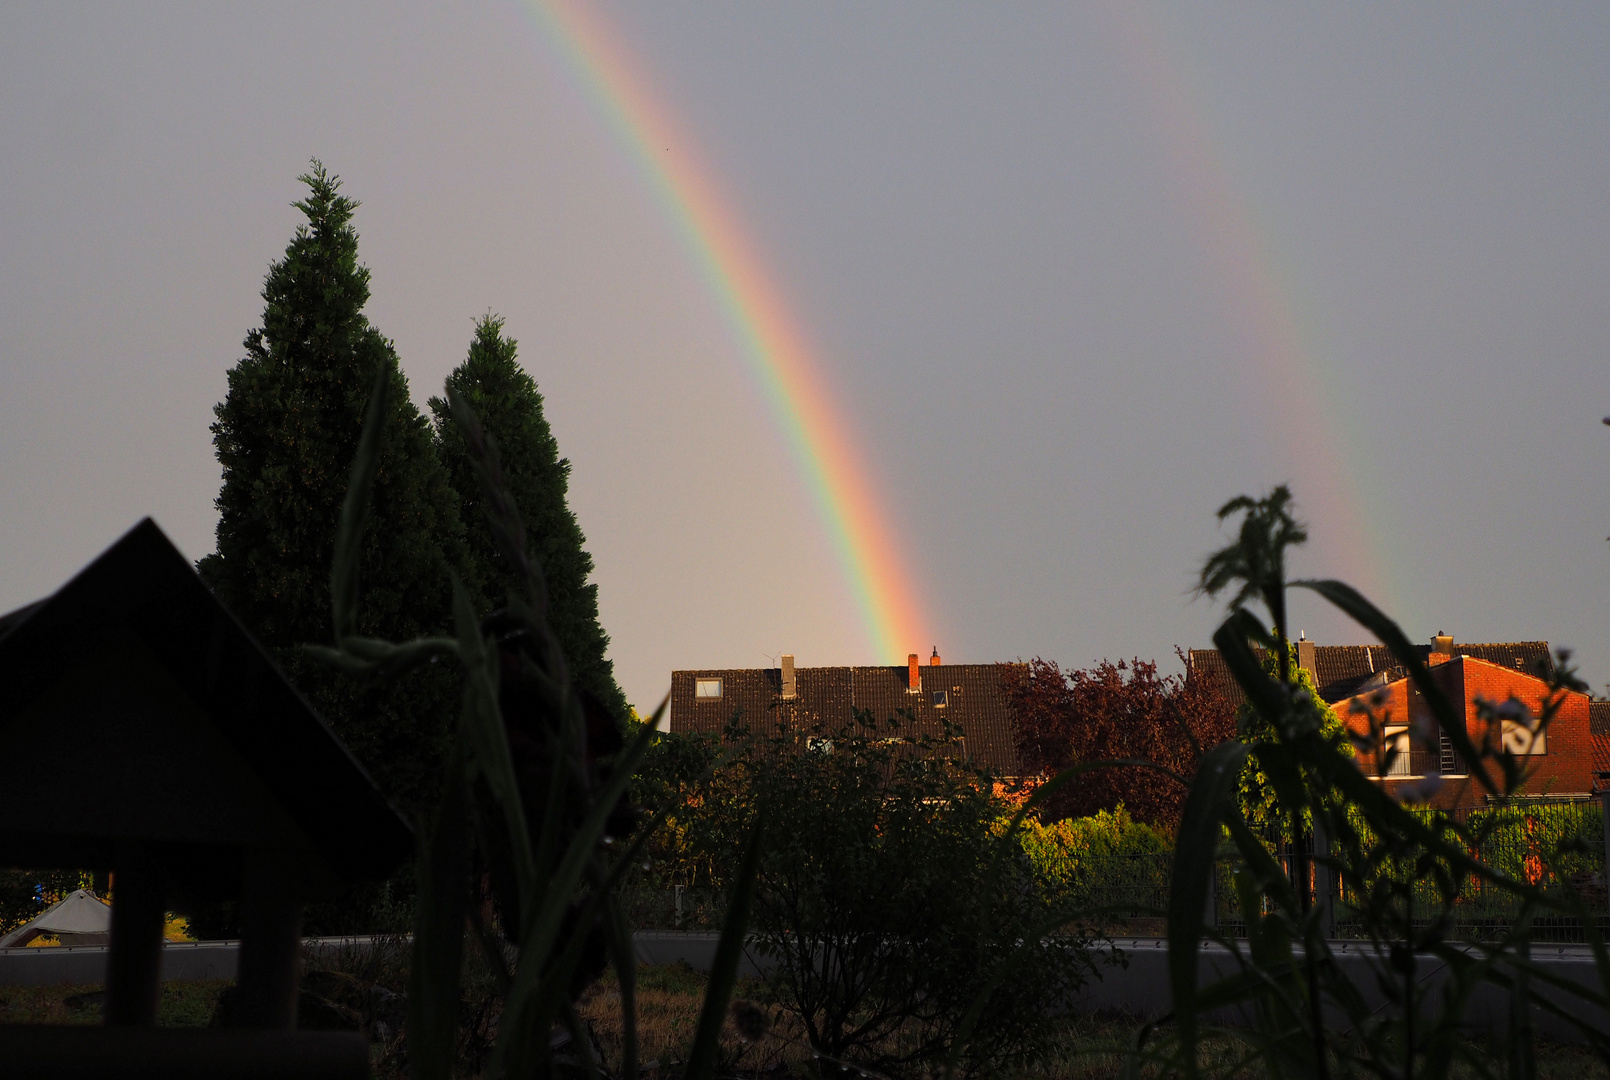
{"points": [[707, 689], [1395, 752], [1524, 737]]}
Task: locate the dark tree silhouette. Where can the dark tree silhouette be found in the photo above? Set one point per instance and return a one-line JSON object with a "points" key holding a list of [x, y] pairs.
{"points": [[286, 436], [509, 405]]}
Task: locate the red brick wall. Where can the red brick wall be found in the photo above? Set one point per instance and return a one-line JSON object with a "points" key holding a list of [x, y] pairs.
{"points": [[1567, 768]]}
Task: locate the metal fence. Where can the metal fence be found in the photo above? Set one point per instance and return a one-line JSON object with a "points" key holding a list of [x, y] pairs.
{"points": [[1125, 894], [1555, 844]]}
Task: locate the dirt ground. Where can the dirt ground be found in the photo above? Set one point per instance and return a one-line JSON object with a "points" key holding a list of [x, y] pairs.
{"points": [[669, 1000]]}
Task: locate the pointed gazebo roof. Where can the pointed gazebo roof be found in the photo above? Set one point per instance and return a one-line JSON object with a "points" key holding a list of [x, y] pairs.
{"points": [[167, 724]]}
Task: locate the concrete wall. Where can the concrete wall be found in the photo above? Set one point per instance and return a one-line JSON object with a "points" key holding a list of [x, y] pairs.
{"points": [[698, 951], [1141, 987], [59, 965], [51, 966]]}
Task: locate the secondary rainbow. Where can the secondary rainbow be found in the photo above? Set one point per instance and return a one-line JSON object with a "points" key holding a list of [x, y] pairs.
{"points": [[772, 344], [1303, 414]]}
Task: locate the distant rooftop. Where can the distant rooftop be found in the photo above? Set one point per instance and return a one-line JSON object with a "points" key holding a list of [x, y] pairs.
{"points": [[1342, 671], [970, 696]]}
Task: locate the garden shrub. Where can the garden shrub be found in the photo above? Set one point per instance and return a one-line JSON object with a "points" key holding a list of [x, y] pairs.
{"points": [[1073, 847], [679, 784], [887, 896], [1260, 802]]}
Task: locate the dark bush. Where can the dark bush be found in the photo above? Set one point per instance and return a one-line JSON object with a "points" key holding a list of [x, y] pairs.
{"points": [[888, 899]]}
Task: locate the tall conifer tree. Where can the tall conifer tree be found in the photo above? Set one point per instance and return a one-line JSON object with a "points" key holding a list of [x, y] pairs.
{"points": [[286, 436], [509, 405]]}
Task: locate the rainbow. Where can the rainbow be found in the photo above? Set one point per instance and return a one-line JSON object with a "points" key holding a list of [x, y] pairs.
{"points": [[773, 347], [1287, 369], [1285, 366]]}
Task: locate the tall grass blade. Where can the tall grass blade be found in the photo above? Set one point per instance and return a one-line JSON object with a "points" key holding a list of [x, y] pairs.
{"points": [[552, 991], [1263, 692], [438, 948], [729, 951], [482, 724], [1195, 856], [624, 955], [514, 1053]]}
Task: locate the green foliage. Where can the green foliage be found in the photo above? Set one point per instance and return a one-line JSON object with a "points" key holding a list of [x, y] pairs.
{"points": [[505, 398], [1063, 852], [1255, 565], [1255, 789], [25, 894], [690, 798], [1109, 867], [286, 435]]}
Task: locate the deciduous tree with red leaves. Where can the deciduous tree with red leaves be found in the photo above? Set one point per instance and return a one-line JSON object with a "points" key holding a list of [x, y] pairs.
{"points": [[1122, 710]]}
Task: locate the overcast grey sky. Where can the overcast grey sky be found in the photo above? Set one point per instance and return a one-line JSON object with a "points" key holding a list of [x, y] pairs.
{"points": [[1076, 275]]}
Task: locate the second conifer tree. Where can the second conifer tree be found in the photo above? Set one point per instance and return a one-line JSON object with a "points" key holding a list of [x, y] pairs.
{"points": [[509, 405]]}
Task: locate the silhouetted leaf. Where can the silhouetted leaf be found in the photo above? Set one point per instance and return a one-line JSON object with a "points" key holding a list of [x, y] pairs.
{"points": [[729, 951], [1195, 857], [438, 946]]}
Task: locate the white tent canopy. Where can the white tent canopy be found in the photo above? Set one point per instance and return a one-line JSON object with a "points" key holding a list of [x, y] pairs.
{"points": [[81, 919]]}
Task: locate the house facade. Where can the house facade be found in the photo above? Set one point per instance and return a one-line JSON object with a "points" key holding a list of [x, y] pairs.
{"points": [[971, 697], [1557, 762], [1565, 761], [1599, 736]]}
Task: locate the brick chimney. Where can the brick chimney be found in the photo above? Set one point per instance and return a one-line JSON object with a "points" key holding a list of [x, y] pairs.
{"points": [[934, 661], [915, 683], [1305, 656], [1441, 649], [789, 687]]}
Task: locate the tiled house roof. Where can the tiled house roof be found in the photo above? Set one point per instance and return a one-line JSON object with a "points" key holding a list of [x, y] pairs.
{"points": [[1342, 671], [1532, 657], [974, 699], [1599, 732]]}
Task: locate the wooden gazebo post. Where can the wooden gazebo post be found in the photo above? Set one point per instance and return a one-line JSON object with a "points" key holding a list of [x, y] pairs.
{"points": [[134, 962], [270, 943]]}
